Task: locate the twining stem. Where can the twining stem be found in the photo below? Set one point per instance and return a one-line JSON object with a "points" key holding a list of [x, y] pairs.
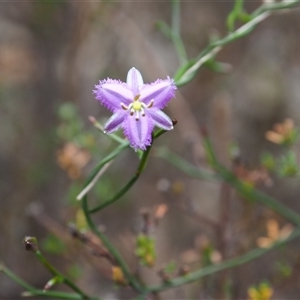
{"points": [[101, 129], [133, 281], [187, 71], [56, 273], [134, 178], [94, 181], [237, 9], [222, 173], [275, 6], [184, 166], [99, 167], [175, 32], [32, 291], [243, 189], [243, 259], [128, 185]]}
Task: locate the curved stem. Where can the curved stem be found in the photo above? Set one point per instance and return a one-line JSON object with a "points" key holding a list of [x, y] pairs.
{"points": [[222, 173], [237, 9], [188, 71], [249, 193], [100, 166], [194, 276], [101, 129], [112, 250], [184, 166], [175, 32], [128, 185], [133, 179], [32, 291]]}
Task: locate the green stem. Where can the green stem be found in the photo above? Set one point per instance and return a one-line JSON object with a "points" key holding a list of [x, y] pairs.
{"points": [[243, 189], [188, 71], [101, 129], [128, 185], [237, 9], [133, 281], [249, 193], [184, 166], [175, 33], [112, 250], [133, 179], [101, 164], [275, 6], [63, 278], [105, 160], [194, 276], [36, 292]]}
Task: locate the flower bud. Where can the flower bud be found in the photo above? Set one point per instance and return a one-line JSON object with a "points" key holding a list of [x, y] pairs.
{"points": [[30, 243]]}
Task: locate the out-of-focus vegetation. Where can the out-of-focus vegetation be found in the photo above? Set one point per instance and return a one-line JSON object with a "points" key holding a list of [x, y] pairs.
{"points": [[197, 206]]}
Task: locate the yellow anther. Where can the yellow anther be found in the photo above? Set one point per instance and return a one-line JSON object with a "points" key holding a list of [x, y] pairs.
{"points": [[137, 105]]}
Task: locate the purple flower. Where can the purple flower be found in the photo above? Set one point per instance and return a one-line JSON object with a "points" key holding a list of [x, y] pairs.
{"points": [[136, 106]]}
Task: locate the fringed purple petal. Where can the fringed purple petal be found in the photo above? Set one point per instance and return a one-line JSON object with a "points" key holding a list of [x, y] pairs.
{"points": [[138, 132], [160, 119], [135, 81], [121, 98], [160, 91], [112, 93], [115, 121]]}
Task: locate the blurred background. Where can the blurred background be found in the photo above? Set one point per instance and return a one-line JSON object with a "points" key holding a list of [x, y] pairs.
{"points": [[51, 56]]}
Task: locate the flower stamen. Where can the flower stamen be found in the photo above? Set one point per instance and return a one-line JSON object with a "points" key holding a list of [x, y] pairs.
{"points": [[124, 106], [150, 104], [136, 107]]}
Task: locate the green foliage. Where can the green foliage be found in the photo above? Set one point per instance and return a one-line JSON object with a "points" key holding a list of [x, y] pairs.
{"points": [[145, 249], [287, 165], [262, 291], [291, 138], [237, 14], [284, 166], [72, 130], [206, 254]]}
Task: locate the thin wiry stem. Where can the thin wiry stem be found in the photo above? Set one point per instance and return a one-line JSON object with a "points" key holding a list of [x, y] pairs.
{"points": [[243, 189], [133, 179], [133, 281], [175, 32], [188, 71], [128, 185], [97, 171], [101, 129], [32, 291], [59, 275], [94, 181], [231, 263]]}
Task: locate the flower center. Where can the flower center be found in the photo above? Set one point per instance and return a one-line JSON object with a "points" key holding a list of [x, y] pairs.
{"points": [[137, 107]]}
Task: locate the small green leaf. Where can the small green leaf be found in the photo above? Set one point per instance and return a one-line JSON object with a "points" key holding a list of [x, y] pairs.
{"points": [[288, 165], [145, 249]]}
